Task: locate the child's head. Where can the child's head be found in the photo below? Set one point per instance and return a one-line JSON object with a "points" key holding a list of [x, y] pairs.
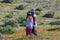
{"points": [[29, 14], [32, 11]]}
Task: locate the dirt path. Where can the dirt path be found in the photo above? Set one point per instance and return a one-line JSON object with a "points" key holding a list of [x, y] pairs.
{"points": [[43, 34]]}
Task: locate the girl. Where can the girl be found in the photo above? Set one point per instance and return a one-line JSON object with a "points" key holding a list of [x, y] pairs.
{"points": [[29, 24]]}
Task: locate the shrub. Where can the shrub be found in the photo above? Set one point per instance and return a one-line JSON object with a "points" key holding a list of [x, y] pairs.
{"points": [[52, 29], [11, 29], [12, 23], [8, 16], [37, 12], [21, 21], [57, 17], [49, 14], [8, 1], [55, 23], [8, 29], [1, 36], [20, 7], [28, 1], [38, 9]]}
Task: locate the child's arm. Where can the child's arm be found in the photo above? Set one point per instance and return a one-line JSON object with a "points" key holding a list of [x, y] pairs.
{"points": [[31, 20]]}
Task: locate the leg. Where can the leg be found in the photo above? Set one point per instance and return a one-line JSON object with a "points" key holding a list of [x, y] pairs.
{"points": [[34, 31], [27, 31], [30, 31]]}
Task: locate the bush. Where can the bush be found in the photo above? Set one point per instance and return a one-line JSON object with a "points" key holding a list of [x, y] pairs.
{"points": [[37, 12], [1, 36], [9, 16], [55, 23], [57, 17], [28, 1], [11, 29], [52, 29], [38, 9], [8, 1], [11, 22], [8, 29], [49, 15], [20, 7], [21, 21]]}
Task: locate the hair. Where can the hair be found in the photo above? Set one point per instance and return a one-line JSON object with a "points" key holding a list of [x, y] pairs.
{"points": [[28, 14], [32, 14]]}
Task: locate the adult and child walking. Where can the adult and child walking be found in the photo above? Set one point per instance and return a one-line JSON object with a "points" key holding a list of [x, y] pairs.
{"points": [[31, 22]]}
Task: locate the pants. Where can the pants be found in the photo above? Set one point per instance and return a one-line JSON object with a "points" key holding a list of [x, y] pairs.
{"points": [[28, 31], [34, 31]]}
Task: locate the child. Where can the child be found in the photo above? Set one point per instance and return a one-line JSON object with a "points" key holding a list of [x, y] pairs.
{"points": [[34, 21], [29, 24]]}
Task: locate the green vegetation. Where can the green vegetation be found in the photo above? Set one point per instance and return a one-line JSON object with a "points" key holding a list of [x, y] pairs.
{"points": [[38, 9], [21, 20], [20, 7], [14, 14], [8, 29], [7, 1]]}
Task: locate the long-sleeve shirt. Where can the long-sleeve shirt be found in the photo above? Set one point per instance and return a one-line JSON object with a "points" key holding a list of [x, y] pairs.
{"points": [[29, 22], [34, 21]]}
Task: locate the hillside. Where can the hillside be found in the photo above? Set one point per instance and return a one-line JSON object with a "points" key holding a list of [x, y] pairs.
{"points": [[13, 14], [46, 6]]}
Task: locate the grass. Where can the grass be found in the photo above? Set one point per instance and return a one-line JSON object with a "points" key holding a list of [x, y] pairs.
{"points": [[43, 34], [7, 8]]}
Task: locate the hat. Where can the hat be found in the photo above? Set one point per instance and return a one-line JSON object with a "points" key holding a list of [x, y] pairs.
{"points": [[32, 10]]}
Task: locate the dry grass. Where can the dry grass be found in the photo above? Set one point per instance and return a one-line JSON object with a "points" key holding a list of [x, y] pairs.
{"points": [[43, 34]]}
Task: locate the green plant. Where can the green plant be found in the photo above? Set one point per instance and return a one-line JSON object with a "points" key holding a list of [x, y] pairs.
{"points": [[8, 16], [28, 1], [8, 1], [8, 29], [21, 21], [12, 23], [52, 29], [20, 7], [11, 29], [38, 9], [57, 17]]}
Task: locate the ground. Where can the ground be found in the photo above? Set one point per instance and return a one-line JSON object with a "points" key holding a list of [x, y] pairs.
{"points": [[43, 34]]}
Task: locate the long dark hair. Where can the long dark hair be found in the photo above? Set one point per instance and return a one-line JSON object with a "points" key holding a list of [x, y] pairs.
{"points": [[28, 14]]}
